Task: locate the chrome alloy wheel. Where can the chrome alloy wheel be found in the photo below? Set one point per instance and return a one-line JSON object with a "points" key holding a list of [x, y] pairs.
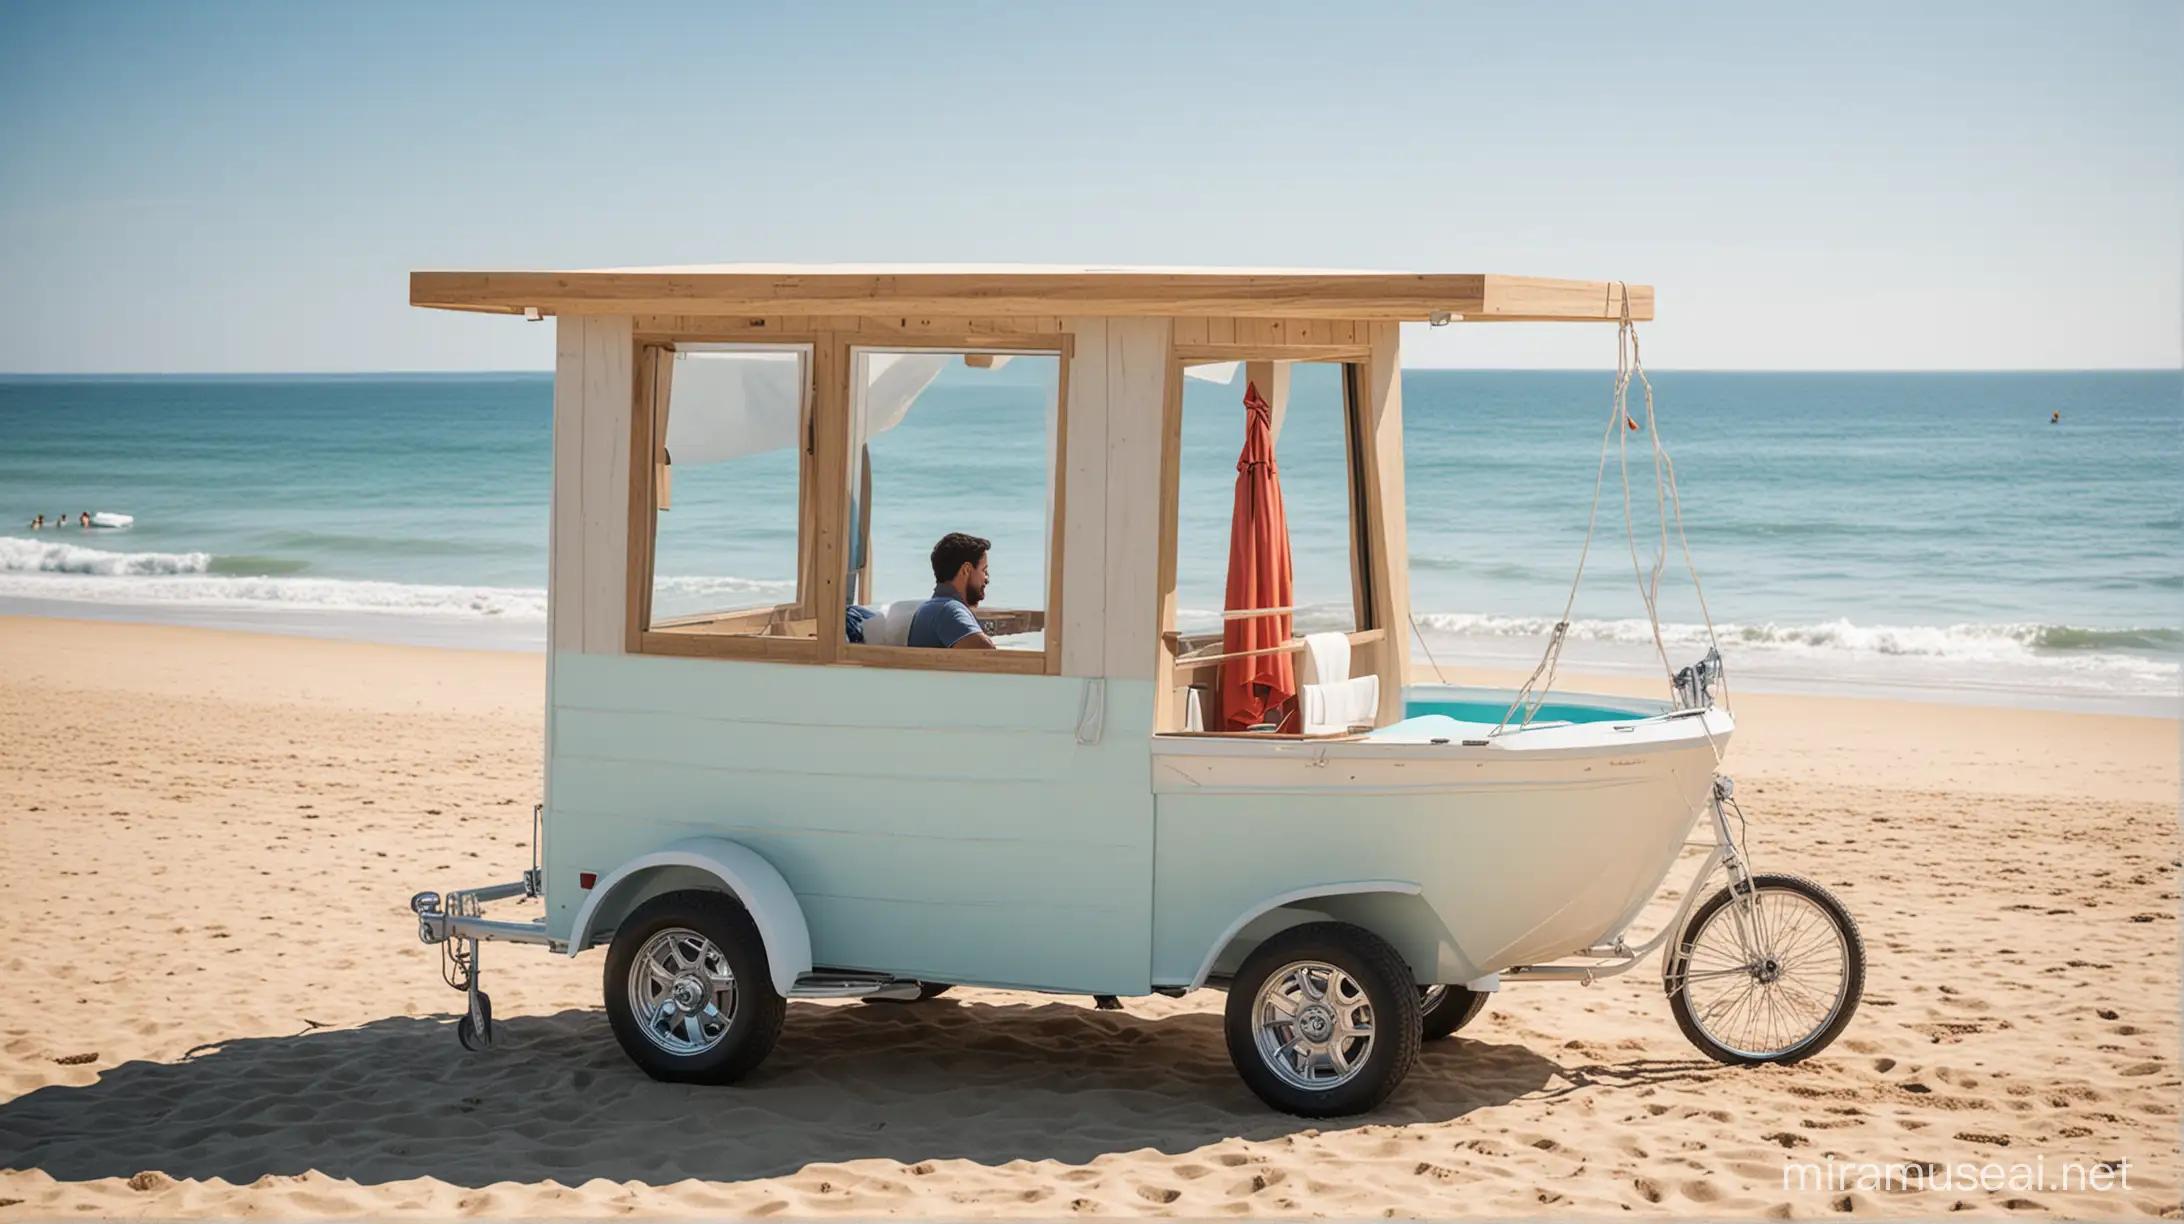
{"points": [[1429, 997], [1763, 988], [1313, 1025], [682, 992]]}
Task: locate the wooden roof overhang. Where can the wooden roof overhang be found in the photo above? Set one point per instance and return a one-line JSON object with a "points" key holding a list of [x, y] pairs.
{"points": [[993, 290]]}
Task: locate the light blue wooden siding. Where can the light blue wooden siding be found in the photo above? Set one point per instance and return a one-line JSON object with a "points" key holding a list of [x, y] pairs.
{"points": [[939, 825]]}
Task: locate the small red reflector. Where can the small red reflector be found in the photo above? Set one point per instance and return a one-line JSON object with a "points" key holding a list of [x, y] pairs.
{"points": [[585, 879]]}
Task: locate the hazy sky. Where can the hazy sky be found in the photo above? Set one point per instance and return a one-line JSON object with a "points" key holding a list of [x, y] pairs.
{"points": [[224, 186]]}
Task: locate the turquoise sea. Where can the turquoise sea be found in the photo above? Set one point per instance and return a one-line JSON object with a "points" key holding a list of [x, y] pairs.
{"points": [[1922, 534]]}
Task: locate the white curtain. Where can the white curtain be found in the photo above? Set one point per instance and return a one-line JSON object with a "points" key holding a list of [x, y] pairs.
{"points": [[729, 403]]}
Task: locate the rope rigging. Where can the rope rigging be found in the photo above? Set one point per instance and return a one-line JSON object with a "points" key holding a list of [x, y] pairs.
{"points": [[1691, 682]]}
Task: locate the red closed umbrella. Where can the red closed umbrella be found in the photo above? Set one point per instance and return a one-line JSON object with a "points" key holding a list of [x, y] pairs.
{"points": [[1259, 576]]}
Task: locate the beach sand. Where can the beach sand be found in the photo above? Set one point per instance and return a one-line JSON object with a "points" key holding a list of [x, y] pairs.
{"points": [[215, 1003]]}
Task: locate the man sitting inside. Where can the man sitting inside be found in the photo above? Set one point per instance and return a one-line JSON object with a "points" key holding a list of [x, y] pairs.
{"points": [[945, 620]]}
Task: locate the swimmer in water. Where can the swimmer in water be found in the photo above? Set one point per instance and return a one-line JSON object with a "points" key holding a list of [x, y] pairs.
{"points": [[2057, 419], [38, 524]]}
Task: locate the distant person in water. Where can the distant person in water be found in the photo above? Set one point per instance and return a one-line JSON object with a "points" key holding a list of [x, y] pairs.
{"points": [[38, 524], [84, 520], [2057, 419]]}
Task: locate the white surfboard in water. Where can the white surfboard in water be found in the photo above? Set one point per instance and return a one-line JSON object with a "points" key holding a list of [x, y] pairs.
{"points": [[106, 518]]}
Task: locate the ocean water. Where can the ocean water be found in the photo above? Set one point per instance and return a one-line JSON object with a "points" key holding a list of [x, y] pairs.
{"points": [[1908, 534]]}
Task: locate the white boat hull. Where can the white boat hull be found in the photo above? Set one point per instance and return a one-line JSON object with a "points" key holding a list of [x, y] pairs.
{"points": [[1526, 849]]}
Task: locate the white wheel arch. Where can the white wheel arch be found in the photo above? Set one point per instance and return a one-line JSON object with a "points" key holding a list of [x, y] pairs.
{"points": [[743, 874], [1270, 904]]}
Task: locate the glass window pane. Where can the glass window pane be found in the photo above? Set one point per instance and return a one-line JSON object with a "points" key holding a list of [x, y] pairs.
{"points": [[951, 442], [725, 548]]}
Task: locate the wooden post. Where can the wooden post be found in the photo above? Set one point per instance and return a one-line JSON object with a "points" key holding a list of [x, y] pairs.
{"points": [[565, 530], [609, 398], [831, 369], [663, 390], [863, 585], [1083, 566], [1380, 409], [1143, 420], [1168, 712]]}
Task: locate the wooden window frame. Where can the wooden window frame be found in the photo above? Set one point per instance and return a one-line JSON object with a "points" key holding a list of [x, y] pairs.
{"points": [[1045, 662], [824, 482], [644, 514], [1363, 498]]}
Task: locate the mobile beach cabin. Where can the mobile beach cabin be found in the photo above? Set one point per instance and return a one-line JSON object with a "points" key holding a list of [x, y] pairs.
{"points": [[755, 790]]}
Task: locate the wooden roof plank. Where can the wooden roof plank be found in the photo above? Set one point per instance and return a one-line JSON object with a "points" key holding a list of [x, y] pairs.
{"points": [[1001, 291]]}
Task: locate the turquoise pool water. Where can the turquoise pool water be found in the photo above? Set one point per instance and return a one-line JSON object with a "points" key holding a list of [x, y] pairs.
{"points": [[1491, 712]]}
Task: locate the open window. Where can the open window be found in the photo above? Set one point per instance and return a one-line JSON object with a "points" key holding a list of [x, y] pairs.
{"points": [[943, 441], [730, 435], [1327, 633]]}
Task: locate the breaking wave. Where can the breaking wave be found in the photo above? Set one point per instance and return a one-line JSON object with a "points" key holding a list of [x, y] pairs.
{"points": [[226, 591], [37, 569], [20, 556], [701, 587], [1972, 642]]}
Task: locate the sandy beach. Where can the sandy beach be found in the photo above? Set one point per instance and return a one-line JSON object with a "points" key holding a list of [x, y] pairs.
{"points": [[216, 1005]]}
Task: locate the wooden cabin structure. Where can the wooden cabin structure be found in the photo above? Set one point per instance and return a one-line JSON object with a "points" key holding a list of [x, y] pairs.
{"points": [[1122, 336]]}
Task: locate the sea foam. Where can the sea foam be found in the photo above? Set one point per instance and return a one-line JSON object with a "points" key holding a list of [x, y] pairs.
{"points": [[21, 556], [1971, 642], [40, 569], [288, 593]]}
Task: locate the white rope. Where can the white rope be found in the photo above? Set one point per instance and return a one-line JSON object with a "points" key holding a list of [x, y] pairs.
{"points": [[1629, 364], [1664, 475], [1549, 661], [1427, 646]]}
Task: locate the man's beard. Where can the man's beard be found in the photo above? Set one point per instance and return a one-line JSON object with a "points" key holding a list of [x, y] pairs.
{"points": [[974, 593]]}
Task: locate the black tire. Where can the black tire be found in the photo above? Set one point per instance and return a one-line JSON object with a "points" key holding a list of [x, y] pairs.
{"points": [[756, 1011], [1457, 1007], [1388, 990], [1852, 986]]}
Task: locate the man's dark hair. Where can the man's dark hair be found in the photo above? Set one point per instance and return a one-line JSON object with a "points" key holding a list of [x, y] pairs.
{"points": [[955, 551]]}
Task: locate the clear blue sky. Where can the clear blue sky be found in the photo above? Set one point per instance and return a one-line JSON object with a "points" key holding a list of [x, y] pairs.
{"points": [[230, 186]]}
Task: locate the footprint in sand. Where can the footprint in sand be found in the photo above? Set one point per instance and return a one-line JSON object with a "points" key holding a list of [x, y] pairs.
{"points": [[1252, 1185]]}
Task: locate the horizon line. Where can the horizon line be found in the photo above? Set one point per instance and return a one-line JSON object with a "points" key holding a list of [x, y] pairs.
{"points": [[548, 371]]}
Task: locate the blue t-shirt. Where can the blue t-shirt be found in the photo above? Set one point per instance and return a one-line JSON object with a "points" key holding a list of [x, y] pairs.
{"points": [[942, 620]]}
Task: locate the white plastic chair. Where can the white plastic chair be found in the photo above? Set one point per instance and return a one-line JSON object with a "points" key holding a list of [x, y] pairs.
{"points": [[1328, 698]]}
